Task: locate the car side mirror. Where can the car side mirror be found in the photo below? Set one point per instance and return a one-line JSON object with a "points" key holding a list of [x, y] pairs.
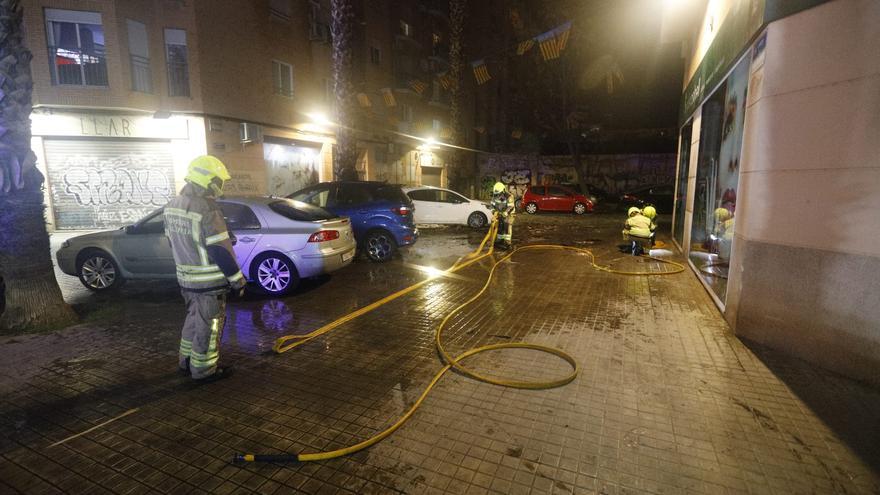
{"points": [[130, 229], [232, 238]]}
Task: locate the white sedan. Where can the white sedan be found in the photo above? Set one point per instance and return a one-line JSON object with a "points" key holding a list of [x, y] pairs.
{"points": [[438, 205], [279, 241]]}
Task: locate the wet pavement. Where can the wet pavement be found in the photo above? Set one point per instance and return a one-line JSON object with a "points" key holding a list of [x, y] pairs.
{"points": [[667, 399]]}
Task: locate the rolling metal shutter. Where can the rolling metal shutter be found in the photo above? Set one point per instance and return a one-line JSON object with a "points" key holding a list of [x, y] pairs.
{"points": [[431, 176], [97, 184]]}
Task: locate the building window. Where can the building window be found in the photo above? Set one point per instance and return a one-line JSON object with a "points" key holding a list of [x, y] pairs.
{"points": [[405, 28], [282, 79], [178, 65], [139, 55], [436, 124], [76, 47], [406, 112], [375, 55], [280, 10]]}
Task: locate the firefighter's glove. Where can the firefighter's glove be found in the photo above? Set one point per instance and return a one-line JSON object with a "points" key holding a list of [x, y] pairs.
{"points": [[238, 286]]}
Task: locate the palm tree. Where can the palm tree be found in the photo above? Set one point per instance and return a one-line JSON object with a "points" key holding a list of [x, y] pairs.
{"points": [[456, 26], [33, 299], [341, 27]]}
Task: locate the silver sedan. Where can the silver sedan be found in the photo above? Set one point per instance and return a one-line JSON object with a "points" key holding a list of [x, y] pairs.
{"points": [[277, 242]]}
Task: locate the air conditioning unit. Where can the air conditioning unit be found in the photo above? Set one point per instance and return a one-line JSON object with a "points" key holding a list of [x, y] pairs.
{"points": [[250, 133]]}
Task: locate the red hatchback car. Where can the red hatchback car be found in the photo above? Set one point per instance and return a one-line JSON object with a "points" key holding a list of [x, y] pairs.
{"points": [[554, 198]]}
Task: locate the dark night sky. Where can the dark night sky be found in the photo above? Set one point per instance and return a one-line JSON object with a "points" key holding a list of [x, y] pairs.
{"points": [[606, 35]]}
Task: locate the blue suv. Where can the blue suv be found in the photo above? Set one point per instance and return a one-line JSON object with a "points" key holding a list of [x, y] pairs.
{"points": [[381, 214]]}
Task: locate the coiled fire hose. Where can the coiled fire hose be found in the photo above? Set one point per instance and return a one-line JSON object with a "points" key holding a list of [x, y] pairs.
{"points": [[288, 342]]}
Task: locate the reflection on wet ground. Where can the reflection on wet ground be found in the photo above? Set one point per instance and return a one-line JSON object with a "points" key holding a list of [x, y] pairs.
{"points": [[667, 400]]}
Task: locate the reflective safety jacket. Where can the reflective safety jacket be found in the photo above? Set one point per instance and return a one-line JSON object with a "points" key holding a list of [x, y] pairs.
{"points": [[200, 242], [503, 203], [639, 225]]}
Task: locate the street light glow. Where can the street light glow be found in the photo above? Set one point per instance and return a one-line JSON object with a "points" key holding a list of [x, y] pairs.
{"points": [[320, 118]]}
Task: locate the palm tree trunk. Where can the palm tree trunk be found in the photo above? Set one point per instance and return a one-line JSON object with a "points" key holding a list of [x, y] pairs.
{"points": [[33, 299], [341, 27], [456, 26]]}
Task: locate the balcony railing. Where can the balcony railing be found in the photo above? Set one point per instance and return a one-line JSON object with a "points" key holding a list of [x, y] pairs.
{"points": [[141, 74], [75, 67]]}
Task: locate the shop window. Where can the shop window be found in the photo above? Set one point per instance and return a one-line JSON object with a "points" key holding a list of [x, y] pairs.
{"points": [[139, 56], [684, 160], [178, 63], [717, 180], [282, 79], [77, 53]]}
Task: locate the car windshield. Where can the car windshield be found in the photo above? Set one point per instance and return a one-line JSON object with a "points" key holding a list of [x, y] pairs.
{"points": [[297, 210]]}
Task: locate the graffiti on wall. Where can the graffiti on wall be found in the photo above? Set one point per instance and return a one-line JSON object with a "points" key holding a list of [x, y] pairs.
{"points": [[108, 191], [95, 186], [612, 173], [517, 181], [291, 168], [241, 184]]}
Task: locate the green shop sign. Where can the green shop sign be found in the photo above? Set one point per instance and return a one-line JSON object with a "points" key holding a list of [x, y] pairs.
{"points": [[745, 19]]}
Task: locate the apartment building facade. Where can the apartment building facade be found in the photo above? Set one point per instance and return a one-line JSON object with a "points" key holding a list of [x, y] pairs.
{"points": [[127, 92]]}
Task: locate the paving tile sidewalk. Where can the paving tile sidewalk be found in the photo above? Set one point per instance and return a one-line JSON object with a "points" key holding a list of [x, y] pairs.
{"points": [[667, 399]]}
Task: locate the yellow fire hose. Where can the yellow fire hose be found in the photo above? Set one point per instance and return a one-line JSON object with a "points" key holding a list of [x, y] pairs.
{"points": [[288, 342]]}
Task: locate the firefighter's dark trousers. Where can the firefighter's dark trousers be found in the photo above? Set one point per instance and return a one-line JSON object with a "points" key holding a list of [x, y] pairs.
{"points": [[202, 330]]}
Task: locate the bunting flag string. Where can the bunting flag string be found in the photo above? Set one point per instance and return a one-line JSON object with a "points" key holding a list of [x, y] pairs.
{"points": [[516, 134], [447, 81], [525, 46], [364, 100], [418, 86], [481, 71], [388, 96], [481, 129]]}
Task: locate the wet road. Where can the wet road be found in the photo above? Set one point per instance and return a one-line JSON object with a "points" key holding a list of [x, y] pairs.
{"points": [[667, 400]]}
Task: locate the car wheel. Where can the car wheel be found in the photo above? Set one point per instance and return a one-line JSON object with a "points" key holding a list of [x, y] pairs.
{"points": [[477, 220], [98, 271], [531, 208], [274, 273], [580, 208], [380, 246]]}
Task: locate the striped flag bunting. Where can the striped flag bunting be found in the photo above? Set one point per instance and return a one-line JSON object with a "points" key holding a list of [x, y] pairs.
{"points": [[547, 42], [554, 41], [480, 129], [388, 96], [562, 34], [447, 81], [446, 133], [525, 46], [418, 86], [364, 100], [516, 134], [481, 72]]}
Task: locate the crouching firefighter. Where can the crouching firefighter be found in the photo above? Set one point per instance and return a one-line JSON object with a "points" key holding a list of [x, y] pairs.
{"points": [[503, 206], [638, 231], [206, 266]]}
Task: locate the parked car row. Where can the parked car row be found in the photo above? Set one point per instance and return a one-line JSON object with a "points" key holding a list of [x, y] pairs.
{"points": [[314, 231]]}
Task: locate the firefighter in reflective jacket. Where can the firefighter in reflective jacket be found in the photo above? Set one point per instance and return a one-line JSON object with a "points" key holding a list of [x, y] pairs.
{"points": [[639, 231], [206, 266], [502, 204]]}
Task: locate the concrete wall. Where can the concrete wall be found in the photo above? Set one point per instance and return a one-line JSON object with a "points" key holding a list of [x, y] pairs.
{"points": [[805, 271]]}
